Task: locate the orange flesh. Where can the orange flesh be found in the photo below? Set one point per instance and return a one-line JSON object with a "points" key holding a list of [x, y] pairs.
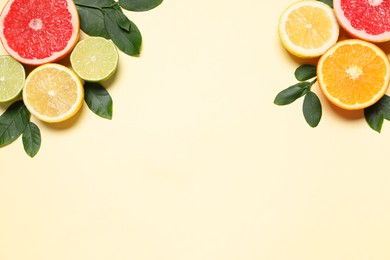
{"points": [[354, 74]]}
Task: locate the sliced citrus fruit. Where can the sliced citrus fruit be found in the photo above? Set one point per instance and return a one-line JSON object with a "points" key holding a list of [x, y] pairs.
{"points": [[94, 59], [12, 78], [53, 93], [38, 32], [365, 19], [308, 28], [354, 74]]}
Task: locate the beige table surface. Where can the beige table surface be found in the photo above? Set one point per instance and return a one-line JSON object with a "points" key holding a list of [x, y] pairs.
{"points": [[197, 162]]}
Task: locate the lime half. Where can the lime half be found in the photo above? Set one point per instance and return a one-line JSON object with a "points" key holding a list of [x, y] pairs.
{"points": [[12, 78], [94, 59]]}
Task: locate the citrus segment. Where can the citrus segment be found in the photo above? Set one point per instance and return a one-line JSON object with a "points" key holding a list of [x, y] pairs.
{"points": [[12, 78], [308, 28], [53, 93], [354, 74], [94, 59], [365, 19], [37, 32]]}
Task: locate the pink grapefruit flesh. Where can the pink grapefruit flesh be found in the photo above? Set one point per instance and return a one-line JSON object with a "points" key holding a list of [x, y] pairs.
{"points": [[35, 32], [364, 19]]}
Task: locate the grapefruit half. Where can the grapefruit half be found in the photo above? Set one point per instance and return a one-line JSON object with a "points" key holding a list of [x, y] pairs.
{"points": [[35, 32], [364, 19]]}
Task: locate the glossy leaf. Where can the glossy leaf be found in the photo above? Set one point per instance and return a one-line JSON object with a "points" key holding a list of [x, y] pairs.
{"points": [[292, 93], [13, 122], [95, 3], [31, 139], [92, 21], [139, 5], [328, 2], [122, 20], [376, 113], [127, 41], [312, 109], [98, 99], [305, 72]]}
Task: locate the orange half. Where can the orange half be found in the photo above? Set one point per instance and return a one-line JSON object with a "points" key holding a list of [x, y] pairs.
{"points": [[354, 74]]}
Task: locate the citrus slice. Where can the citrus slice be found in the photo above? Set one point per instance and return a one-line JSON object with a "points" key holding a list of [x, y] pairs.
{"points": [[53, 93], [38, 32], [354, 74], [365, 19], [308, 28], [12, 78], [94, 59]]}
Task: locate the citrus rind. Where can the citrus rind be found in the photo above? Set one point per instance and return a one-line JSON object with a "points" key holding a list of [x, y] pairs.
{"points": [[28, 88], [335, 100], [12, 78], [94, 59], [12, 44], [300, 51]]}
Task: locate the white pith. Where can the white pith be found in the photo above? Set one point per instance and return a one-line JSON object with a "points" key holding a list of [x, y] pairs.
{"points": [[375, 2], [36, 24]]}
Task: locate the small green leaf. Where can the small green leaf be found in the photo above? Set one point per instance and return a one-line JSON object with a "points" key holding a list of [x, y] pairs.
{"points": [[98, 99], [305, 72], [139, 5], [31, 139], [312, 109], [384, 102], [92, 21], [292, 93], [95, 3], [13, 122], [374, 118], [127, 41], [328, 2], [376, 113]]}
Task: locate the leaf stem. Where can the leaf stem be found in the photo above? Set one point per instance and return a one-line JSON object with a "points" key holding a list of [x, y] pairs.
{"points": [[312, 83]]}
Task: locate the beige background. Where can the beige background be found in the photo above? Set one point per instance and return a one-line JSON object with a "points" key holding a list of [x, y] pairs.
{"points": [[198, 163]]}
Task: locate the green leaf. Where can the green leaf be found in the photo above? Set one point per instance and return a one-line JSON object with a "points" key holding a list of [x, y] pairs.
{"points": [[98, 99], [127, 41], [139, 5], [376, 113], [13, 122], [312, 109], [31, 139], [92, 21], [95, 3], [122, 19], [328, 2], [374, 118], [305, 72], [292, 93]]}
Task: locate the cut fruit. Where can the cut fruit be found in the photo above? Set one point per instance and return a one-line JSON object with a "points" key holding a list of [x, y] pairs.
{"points": [[354, 74], [94, 59], [53, 93], [12, 78], [38, 32], [308, 28], [365, 19]]}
